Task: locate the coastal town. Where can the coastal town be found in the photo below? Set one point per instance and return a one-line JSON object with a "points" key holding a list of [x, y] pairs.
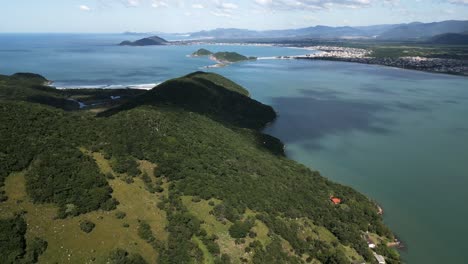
{"points": [[438, 65]]}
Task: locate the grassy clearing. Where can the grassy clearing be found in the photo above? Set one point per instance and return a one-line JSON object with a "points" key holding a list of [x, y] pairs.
{"points": [[135, 201], [201, 210], [227, 244], [68, 244], [323, 234], [207, 257], [378, 239], [147, 167]]}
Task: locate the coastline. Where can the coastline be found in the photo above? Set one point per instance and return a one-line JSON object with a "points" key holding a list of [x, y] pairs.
{"points": [[392, 63], [364, 56], [143, 86], [358, 55]]}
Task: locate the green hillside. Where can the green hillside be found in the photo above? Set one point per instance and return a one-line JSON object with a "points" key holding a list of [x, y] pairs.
{"points": [[450, 39], [178, 174], [202, 52], [209, 94], [231, 57]]}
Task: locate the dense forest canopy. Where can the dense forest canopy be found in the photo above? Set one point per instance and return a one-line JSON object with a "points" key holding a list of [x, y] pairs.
{"points": [[225, 191]]}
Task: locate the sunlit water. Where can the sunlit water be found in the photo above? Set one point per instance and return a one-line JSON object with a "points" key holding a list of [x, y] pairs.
{"points": [[399, 136]]}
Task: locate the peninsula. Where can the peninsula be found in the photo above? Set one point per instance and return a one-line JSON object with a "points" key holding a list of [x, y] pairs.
{"points": [[181, 173]]}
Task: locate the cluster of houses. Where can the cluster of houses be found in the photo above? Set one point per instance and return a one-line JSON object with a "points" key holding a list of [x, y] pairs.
{"points": [[370, 242], [337, 52], [451, 66]]}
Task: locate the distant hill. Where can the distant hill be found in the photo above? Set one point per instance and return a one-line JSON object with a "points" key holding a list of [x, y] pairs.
{"points": [[222, 57], [231, 57], [414, 30], [450, 39], [210, 94], [201, 52], [151, 41], [317, 31], [425, 30]]}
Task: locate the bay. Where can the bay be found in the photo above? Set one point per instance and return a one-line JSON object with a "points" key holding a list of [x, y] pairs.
{"points": [[398, 136]]}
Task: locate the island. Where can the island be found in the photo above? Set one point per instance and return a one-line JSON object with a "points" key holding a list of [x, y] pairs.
{"points": [[181, 173], [150, 41], [222, 58], [201, 53]]}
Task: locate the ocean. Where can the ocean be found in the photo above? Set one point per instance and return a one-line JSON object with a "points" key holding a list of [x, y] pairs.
{"points": [[398, 136]]}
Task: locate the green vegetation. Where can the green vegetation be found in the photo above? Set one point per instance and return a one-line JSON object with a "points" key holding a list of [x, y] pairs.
{"points": [[226, 193], [202, 93], [87, 226], [151, 41], [202, 52], [120, 256], [451, 39], [240, 229], [393, 49], [79, 189], [231, 57], [12, 241], [36, 247], [220, 81], [120, 215]]}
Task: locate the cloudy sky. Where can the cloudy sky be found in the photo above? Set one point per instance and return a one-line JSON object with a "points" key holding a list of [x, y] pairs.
{"points": [[192, 15]]}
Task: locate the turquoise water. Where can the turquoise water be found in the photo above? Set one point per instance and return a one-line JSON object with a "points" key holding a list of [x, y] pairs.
{"points": [[95, 60], [398, 136]]}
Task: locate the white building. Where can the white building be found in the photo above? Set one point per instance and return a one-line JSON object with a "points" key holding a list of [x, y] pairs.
{"points": [[380, 259]]}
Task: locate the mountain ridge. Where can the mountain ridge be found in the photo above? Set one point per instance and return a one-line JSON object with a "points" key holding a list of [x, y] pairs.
{"points": [[384, 31]]}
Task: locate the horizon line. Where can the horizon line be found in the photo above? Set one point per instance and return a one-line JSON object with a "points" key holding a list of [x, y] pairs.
{"points": [[156, 32]]}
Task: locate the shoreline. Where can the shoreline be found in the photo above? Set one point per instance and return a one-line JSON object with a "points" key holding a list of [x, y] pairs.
{"points": [[143, 86], [373, 61]]}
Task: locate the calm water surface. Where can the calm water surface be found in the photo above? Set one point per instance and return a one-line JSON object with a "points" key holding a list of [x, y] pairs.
{"points": [[399, 136]]}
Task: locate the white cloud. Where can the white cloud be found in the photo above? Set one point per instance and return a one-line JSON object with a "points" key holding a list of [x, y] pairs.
{"points": [[264, 2], [320, 4], [133, 3], [229, 6], [223, 9], [84, 8], [198, 6], [459, 2], [220, 14], [159, 3]]}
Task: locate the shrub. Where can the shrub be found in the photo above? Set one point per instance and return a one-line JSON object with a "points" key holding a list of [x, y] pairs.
{"points": [[120, 215], [87, 226], [240, 229], [36, 247], [120, 256]]}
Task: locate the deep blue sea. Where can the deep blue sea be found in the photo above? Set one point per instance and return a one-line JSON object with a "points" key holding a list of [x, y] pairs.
{"points": [[399, 136]]}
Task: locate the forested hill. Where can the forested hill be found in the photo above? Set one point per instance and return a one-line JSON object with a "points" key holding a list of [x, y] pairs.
{"points": [[158, 178], [208, 94]]}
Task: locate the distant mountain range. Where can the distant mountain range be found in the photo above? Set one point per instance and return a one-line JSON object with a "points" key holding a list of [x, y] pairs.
{"points": [[411, 31]]}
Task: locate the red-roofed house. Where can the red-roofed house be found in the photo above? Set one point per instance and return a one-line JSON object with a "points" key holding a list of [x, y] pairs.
{"points": [[335, 200]]}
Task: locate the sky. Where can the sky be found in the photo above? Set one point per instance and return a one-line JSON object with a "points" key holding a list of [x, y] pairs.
{"points": [[181, 16]]}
